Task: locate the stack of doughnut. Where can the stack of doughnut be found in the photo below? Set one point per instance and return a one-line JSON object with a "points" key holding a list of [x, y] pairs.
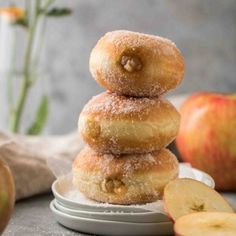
{"points": [[127, 128]]}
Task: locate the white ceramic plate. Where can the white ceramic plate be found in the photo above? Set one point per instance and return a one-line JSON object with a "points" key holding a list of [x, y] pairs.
{"points": [[111, 228], [142, 217], [63, 187]]}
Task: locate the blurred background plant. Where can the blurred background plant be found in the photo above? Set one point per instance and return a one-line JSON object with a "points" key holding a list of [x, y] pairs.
{"points": [[20, 64]]}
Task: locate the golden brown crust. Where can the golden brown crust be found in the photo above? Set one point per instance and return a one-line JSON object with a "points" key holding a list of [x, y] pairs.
{"points": [[124, 179], [136, 64], [124, 164], [118, 124]]}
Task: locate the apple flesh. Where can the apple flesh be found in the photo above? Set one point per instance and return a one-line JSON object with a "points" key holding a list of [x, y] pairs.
{"points": [[207, 136], [185, 196], [206, 224], [7, 195]]}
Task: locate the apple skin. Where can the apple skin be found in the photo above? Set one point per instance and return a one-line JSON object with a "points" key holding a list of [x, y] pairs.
{"points": [[207, 136], [7, 195]]}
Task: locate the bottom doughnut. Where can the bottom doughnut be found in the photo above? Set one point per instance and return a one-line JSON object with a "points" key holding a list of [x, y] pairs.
{"points": [[124, 179]]}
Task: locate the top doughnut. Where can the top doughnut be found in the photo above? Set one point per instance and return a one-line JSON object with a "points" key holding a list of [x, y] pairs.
{"points": [[135, 64]]}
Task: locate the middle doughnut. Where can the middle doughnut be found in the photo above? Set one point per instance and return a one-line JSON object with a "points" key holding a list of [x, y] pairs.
{"points": [[119, 124]]}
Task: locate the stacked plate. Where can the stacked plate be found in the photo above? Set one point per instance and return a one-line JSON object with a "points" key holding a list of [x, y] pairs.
{"points": [[73, 210]]}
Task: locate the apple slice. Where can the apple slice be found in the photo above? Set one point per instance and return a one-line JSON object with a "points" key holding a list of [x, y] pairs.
{"points": [[185, 196], [206, 224]]}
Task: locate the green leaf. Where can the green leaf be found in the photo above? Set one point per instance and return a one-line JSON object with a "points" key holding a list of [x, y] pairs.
{"points": [[41, 117], [22, 22], [57, 12]]}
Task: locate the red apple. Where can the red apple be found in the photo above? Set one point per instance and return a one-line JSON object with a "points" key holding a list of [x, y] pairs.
{"points": [[207, 136], [7, 195]]}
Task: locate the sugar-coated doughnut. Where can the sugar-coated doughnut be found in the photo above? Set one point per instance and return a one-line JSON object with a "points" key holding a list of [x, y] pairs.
{"points": [[136, 64], [118, 124], [124, 179]]}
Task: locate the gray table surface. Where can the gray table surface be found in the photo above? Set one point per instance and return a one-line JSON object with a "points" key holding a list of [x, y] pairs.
{"points": [[32, 217]]}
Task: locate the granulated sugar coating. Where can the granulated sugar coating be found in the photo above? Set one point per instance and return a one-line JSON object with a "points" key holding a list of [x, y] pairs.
{"points": [[128, 127], [124, 179], [120, 124], [113, 105], [125, 165], [76, 196], [135, 64], [122, 37]]}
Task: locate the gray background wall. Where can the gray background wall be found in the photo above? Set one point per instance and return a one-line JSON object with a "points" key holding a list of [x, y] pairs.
{"points": [[204, 30]]}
